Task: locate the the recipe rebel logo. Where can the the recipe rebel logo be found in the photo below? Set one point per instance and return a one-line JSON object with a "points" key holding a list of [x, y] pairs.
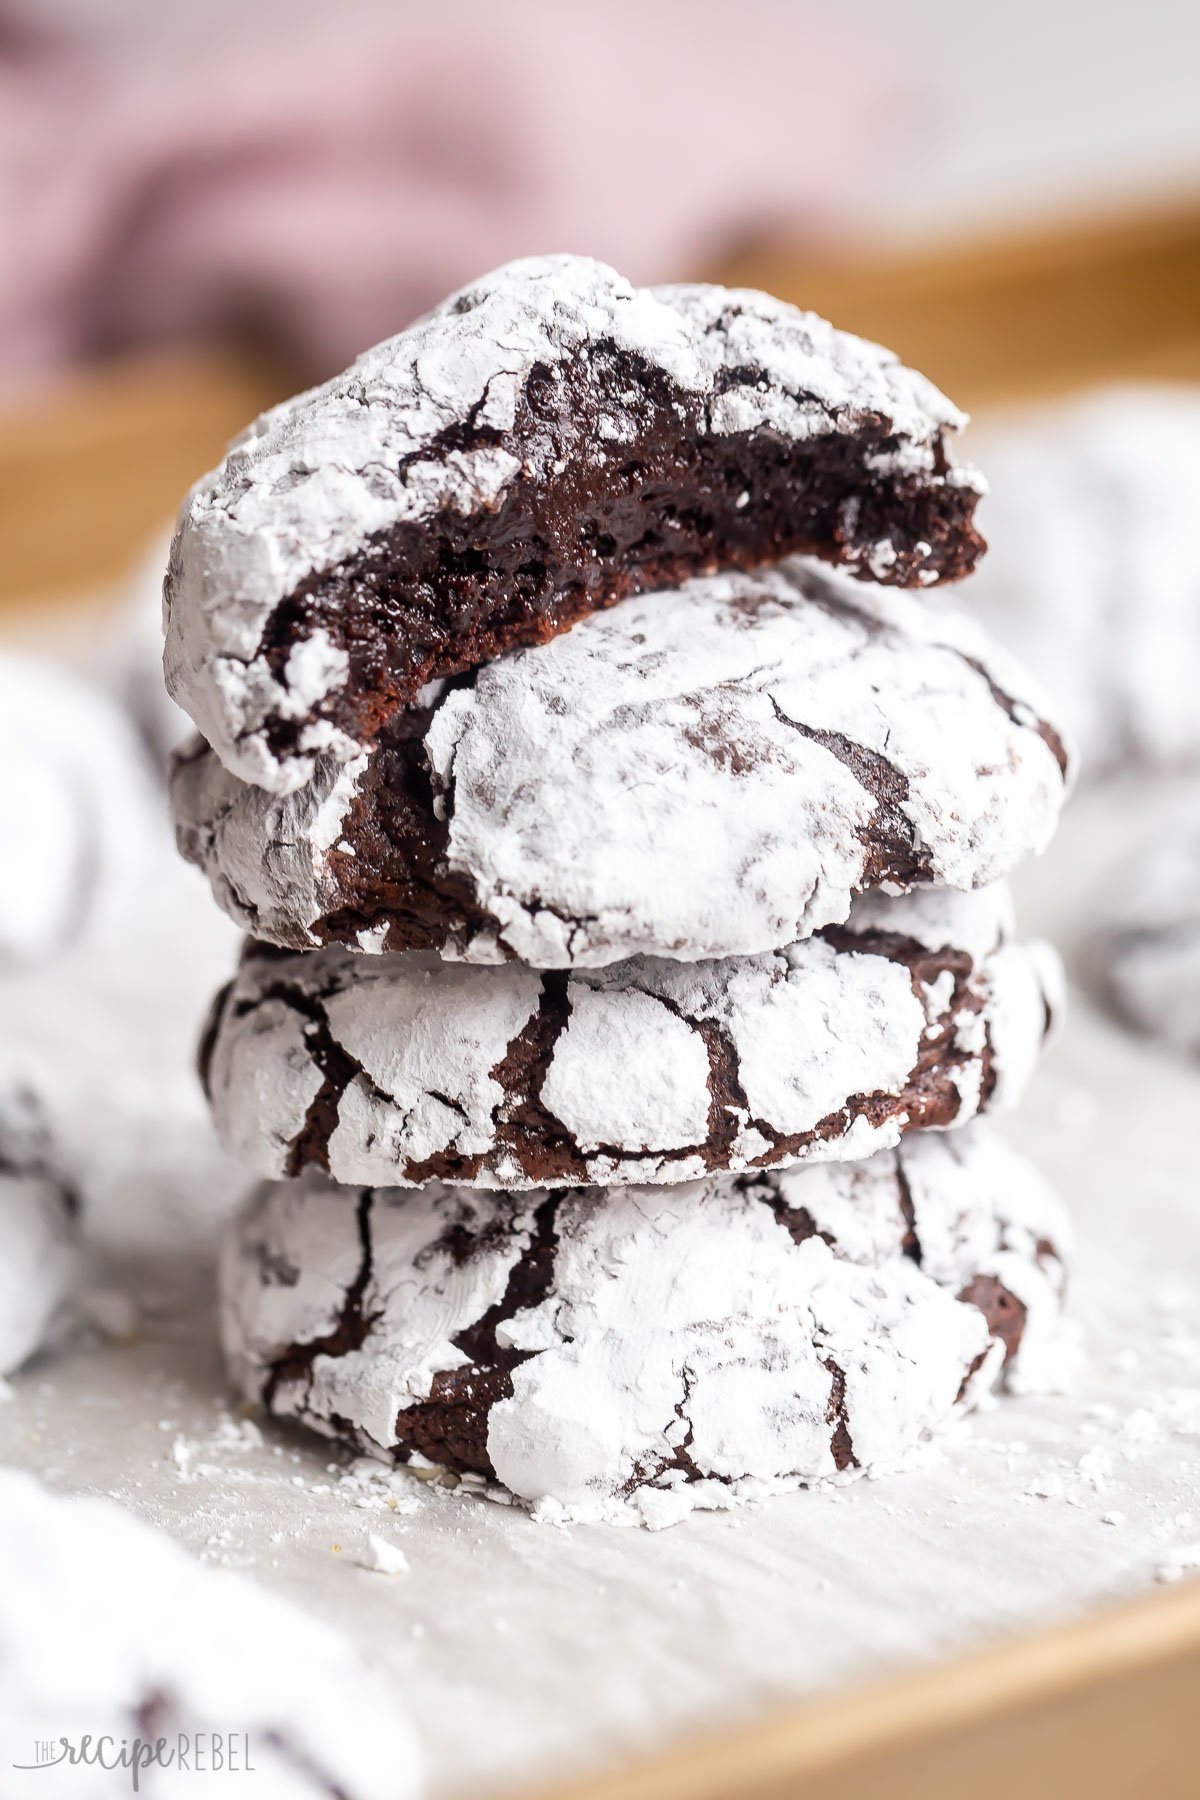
{"points": [[190, 1753]]}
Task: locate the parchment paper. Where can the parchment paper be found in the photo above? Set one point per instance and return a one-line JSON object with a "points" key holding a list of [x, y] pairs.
{"points": [[520, 1648]]}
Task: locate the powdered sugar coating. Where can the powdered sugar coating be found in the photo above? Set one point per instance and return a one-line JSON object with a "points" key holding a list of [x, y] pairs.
{"points": [[1145, 957], [109, 1628], [650, 1351], [39, 1256], [710, 771], [310, 482], [81, 817], [398, 1069]]}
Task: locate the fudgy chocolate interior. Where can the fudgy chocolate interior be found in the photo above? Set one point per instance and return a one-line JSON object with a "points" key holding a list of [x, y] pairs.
{"points": [[393, 871], [623, 488]]}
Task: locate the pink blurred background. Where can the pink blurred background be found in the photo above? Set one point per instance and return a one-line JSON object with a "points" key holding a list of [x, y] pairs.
{"points": [[314, 175]]}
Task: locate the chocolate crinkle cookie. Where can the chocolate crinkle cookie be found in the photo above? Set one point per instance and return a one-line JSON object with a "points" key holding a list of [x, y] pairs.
{"points": [[1145, 957], [1093, 570], [39, 1227], [401, 1069], [81, 816], [638, 1351], [110, 1632], [545, 443], [711, 771]]}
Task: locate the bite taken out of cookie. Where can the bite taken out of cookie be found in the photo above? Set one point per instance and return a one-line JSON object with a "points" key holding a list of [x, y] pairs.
{"points": [[545, 443]]}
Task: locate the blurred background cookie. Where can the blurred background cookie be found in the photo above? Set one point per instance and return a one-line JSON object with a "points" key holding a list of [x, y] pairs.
{"points": [[39, 1229], [164, 1656], [1093, 570], [1144, 958], [81, 818]]}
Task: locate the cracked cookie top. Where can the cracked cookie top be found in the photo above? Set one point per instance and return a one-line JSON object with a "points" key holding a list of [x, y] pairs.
{"points": [[403, 1069], [644, 1351], [546, 442], [710, 771]]}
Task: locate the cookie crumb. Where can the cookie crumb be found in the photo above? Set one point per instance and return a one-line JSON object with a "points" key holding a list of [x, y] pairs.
{"points": [[383, 1558]]}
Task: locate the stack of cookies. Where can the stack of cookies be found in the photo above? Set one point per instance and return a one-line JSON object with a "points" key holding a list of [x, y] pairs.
{"points": [[621, 979]]}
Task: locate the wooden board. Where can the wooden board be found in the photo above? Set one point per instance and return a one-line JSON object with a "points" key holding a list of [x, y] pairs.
{"points": [[1020, 317], [93, 463], [1102, 1710]]}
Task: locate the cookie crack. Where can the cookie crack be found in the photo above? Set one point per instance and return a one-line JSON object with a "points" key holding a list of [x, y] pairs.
{"points": [[726, 1095], [841, 1443], [797, 1221], [521, 1124], [338, 1069], [890, 842], [910, 1243], [351, 1328], [1022, 714], [450, 1426], [645, 1474], [399, 823], [523, 1131], [928, 1097]]}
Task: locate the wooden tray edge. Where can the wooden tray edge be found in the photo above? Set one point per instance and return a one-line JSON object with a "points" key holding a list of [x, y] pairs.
{"points": [[1104, 1708]]}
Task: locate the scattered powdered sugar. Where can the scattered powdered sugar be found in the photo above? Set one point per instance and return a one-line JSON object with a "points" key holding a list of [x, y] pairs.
{"points": [[217, 1455], [1183, 1560], [382, 1556], [374, 1487]]}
